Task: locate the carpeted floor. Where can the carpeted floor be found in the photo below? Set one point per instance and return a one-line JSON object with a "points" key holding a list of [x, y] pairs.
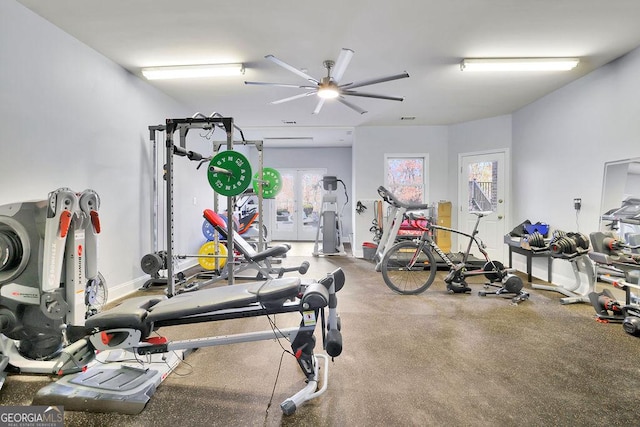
{"points": [[428, 360]]}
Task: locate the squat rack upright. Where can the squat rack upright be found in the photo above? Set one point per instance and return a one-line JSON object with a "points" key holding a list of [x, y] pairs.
{"points": [[183, 125]]}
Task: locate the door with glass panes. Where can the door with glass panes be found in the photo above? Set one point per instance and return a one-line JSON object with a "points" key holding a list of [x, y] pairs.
{"points": [[483, 188], [298, 204]]}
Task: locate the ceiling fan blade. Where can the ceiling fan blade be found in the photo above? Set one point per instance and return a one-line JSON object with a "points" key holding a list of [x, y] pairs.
{"points": [[341, 64], [319, 106], [291, 98], [291, 68], [279, 85], [350, 105], [371, 95], [374, 81]]}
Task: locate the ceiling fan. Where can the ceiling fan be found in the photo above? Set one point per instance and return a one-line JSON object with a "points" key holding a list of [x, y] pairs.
{"points": [[329, 87]]}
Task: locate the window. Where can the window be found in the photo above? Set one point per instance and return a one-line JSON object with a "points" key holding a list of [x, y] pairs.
{"points": [[406, 176], [483, 181]]}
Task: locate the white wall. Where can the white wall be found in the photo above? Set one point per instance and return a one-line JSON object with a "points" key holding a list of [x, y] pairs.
{"points": [[71, 118], [561, 142], [471, 137], [369, 147]]}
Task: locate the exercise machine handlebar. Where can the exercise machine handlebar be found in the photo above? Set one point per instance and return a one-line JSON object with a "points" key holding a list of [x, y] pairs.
{"points": [[388, 197], [216, 114], [191, 155], [615, 244], [195, 156], [302, 269]]}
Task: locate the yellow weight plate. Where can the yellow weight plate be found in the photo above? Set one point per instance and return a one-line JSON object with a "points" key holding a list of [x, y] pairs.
{"points": [[210, 262]]}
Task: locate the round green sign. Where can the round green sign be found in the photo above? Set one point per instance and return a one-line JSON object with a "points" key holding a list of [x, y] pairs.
{"points": [[271, 183], [229, 173]]}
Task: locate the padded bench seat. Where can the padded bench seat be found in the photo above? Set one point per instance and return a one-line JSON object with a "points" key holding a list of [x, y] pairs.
{"points": [[242, 245], [138, 313], [131, 314]]}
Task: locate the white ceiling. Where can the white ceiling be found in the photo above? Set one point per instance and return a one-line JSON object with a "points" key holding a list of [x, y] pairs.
{"points": [[426, 38]]}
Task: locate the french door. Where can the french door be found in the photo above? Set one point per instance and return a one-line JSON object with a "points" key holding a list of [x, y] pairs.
{"points": [[298, 204], [483, 188]]}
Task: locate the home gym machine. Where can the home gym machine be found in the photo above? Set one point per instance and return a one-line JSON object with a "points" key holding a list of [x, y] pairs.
{"points": [[49, 282], [128, 329], [330, 221], [229, 174]]}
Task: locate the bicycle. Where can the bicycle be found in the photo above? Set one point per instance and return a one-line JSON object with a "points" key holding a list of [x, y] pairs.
{"points": [[409, 267]]}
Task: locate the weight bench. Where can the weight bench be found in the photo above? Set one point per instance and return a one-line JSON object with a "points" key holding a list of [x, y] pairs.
{"points": [[252, 259], [128, 327]]}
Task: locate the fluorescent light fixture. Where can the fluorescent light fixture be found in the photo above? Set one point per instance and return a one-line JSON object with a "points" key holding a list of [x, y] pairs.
{"points": [[518, 64], [193, 71]]}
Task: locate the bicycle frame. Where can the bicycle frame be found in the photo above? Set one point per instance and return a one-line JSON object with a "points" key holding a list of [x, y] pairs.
{"points": [[409, 267], [427, 237]]}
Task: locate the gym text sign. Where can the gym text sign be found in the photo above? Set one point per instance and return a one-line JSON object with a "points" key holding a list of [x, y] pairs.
{"points": [[31, 416]]}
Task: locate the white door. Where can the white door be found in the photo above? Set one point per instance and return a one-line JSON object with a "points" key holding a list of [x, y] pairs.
{"points": [[298, 204], [483, 188]]}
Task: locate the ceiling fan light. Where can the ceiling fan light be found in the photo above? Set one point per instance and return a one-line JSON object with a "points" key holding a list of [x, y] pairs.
{"points": [[193, 71], [328, 92], [518, 64]]}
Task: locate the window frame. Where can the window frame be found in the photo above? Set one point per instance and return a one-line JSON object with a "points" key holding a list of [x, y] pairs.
{"points": [[411, 156]]}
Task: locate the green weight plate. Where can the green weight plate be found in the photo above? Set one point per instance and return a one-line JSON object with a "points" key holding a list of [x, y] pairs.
{"points": [[271, 183], [235, 182]]}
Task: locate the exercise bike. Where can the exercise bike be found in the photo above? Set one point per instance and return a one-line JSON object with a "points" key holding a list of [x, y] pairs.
{"points": [[409, 267]]}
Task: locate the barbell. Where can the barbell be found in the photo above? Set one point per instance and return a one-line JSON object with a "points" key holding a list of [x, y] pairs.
{"points": [[211, 256]]}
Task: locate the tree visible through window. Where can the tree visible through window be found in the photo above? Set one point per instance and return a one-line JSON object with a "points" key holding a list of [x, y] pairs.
{"points": [[406, 177]]}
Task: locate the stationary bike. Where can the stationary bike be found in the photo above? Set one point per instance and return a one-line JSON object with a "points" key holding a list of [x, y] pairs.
{"points": [[409, 267]]}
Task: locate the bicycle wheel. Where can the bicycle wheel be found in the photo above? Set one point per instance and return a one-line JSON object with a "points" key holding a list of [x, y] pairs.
{"points": [[401, 275]]}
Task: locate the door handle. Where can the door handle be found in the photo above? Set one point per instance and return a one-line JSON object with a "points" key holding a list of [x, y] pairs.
{"points": [[499, 216]]}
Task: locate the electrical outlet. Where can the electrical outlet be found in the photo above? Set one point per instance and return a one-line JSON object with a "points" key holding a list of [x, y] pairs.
{"points": [[577, 203]]}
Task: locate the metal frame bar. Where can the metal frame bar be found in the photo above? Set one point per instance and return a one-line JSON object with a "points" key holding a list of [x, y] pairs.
{"points": [[184, 125], [289, 333], [199, 121]]}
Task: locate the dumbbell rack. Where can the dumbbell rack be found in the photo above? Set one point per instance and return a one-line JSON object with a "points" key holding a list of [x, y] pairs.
{"points": [[581, 265]]}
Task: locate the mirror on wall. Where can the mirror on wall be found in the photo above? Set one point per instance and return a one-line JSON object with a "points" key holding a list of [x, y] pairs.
{"points": [[620, 206]]}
